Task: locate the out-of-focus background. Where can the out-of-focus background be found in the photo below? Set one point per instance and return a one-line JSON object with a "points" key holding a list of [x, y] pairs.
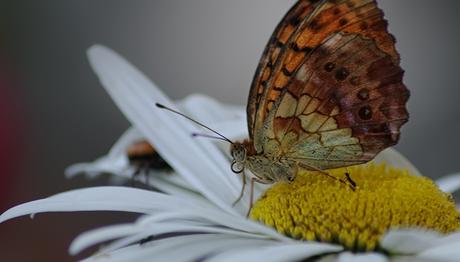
{"points": [[53, 111]]}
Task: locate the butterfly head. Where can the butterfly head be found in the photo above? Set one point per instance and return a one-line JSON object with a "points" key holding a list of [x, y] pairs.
{"points": [[238, 152]]}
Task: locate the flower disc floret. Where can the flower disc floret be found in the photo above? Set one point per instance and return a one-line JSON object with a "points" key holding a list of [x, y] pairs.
{"points": [[315, 207]]}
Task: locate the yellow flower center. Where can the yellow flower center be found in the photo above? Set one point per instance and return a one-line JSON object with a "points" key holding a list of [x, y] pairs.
{"points": [[315, 207]]}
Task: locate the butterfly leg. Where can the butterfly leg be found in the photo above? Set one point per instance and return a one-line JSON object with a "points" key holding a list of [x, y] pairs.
{"points": [[243, 177], [251, 192], [353, 183], [348, 182]]}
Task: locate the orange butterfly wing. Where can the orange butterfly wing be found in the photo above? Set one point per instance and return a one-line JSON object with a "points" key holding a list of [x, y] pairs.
{"points": [[328, 91]]}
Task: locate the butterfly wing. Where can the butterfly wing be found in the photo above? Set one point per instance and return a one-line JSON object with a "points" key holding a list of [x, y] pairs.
{"points": [[333, 95], [274, 50]]}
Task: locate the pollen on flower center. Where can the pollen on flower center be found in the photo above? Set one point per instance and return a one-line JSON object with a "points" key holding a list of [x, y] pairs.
{"points": [[315, 207]]}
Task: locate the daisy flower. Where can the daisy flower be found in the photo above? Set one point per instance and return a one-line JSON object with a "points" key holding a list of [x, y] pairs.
{"points": [[394, 215]]}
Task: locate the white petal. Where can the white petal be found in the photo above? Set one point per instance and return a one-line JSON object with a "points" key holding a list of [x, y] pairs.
{"points": [[448, 239], [367, 257], [279, 252], [104, 199], [171, 178], [103, 165], [396, 159], [228, 120], [96, 236], [413, 259], [180, 248], [232, 130], [163, 182], [450, 183], [210, 111], [327, 258], [409, 241], [138, 201], [448, 252], [198, 160], [197, 249], [146, 221], [444, 248], [115, 162], [128, 138], [99, 235], [157, 224]]}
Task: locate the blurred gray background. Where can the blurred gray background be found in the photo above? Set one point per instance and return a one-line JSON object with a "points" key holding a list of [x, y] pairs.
{"points": [[200, 46]]}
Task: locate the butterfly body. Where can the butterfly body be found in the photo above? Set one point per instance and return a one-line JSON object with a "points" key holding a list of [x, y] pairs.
{"points": [[267, 168], [327, 93]]}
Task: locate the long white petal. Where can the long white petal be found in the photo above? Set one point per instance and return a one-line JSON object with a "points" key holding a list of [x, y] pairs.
{"points": [[396, 159], [210, 111], [138, 201], [193, 251], [99, 235], [278, 252], [449, 183], [103, 165], [350, 257], [229, 119], [139, 236], [180, 248], [104, 199], [135, 95], [171, 178], [155, 221], [409, 241], [218, 218], [164, 183], [157, 224]]}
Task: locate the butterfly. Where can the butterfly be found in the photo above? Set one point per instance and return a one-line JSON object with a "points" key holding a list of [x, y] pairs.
{"points": [[327, 92]]}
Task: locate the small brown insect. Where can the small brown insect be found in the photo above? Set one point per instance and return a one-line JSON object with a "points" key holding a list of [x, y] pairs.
{"points": [[144, 158]]}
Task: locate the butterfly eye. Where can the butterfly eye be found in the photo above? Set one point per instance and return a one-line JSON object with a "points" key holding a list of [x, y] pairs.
{"points": [[236, 154], [237, 167], [239, 154]]}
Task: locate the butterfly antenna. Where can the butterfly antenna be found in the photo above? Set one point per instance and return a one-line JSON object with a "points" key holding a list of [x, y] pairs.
{"points": [[196, 122], [209, 136]]}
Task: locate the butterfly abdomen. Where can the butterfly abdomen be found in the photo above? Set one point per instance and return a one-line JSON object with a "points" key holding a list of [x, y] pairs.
{"points": [[270, 170]]}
